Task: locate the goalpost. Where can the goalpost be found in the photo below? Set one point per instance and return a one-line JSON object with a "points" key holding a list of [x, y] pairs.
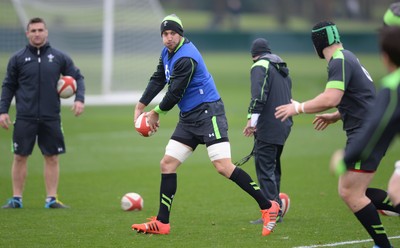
{"points": [[115, 43]]}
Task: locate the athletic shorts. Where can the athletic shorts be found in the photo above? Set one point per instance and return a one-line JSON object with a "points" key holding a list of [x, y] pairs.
{"points": [[48, 134], [372, 162], [208, 131]]}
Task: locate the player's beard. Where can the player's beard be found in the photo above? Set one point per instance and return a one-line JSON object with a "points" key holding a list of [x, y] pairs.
{"points": [[38, 41], [171, 46]]}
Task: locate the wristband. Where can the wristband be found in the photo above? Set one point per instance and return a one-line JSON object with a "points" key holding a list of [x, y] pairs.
{"points": [[254, 120], [296, 107], [302, 108], [159, 111]]}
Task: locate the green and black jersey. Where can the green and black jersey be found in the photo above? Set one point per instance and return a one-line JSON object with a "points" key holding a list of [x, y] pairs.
{"points": [[346, 73], [383, 122]]}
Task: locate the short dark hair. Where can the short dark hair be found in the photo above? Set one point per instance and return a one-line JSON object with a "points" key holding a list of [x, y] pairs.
{"points": [[389, 43], [35, 20]]}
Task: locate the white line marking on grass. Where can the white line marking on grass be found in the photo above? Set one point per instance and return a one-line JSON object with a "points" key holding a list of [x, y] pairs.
{"points": [[343, 243]]}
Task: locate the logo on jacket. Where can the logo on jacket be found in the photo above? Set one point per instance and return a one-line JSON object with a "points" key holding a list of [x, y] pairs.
{"points": [[167, 73], [51, 57], [28, 59]]}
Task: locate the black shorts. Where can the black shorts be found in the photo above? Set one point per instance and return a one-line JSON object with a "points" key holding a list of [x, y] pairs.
{"points": [[208, 131], [372, 162], [48, 134]]}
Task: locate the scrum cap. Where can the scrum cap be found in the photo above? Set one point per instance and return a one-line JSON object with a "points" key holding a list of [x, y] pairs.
{"points": [[172, 22], [323, 35], [392, 15]]}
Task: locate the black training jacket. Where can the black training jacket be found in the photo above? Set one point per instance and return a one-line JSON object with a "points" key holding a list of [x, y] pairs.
{"points": [[32, 76], [271, 86]]}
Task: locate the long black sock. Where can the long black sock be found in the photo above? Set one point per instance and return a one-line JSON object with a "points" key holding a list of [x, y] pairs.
{"points": [[380, 199], [369, 218], [241, 178], [167, 191]]}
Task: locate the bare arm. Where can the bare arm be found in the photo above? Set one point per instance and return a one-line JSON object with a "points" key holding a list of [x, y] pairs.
{"points": [[328, 99]]}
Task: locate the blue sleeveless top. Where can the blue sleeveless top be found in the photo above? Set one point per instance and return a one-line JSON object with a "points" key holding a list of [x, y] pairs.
{"points": [[201, 87]]}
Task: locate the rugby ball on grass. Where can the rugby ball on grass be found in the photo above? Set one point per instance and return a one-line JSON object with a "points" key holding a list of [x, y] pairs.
{"points": [[132, 201], [66, 86], [285, 203], [142, 126]]}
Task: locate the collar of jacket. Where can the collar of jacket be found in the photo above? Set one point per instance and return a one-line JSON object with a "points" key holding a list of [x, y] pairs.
{"points": [[34, 49]]}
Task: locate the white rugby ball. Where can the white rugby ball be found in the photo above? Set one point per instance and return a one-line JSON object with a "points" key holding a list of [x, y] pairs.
{"points": [[132, 201], [66, 86], [142, 126]]}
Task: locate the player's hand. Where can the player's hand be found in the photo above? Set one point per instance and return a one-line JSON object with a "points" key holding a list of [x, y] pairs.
{"points": [[324, 120], [154, 120], [139, 109], [5, 121], [249, 130], [285, 111], [78, 108]]}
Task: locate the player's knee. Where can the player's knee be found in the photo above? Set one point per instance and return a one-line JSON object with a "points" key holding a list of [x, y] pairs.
{"points": [[168, 165], [224, 167], [219, 167], [51, 160], [20, 160], [345, 194]]}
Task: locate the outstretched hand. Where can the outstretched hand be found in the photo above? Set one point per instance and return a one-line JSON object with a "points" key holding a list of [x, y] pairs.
{"points": [[285, 111], [322, 121]]}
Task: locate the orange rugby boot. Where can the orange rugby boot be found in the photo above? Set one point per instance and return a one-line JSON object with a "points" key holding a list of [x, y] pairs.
{"points": [[269, 217], [152, 227]]}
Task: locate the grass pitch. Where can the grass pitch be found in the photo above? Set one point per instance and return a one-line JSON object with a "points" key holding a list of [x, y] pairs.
{"points": [[106, 158]]}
